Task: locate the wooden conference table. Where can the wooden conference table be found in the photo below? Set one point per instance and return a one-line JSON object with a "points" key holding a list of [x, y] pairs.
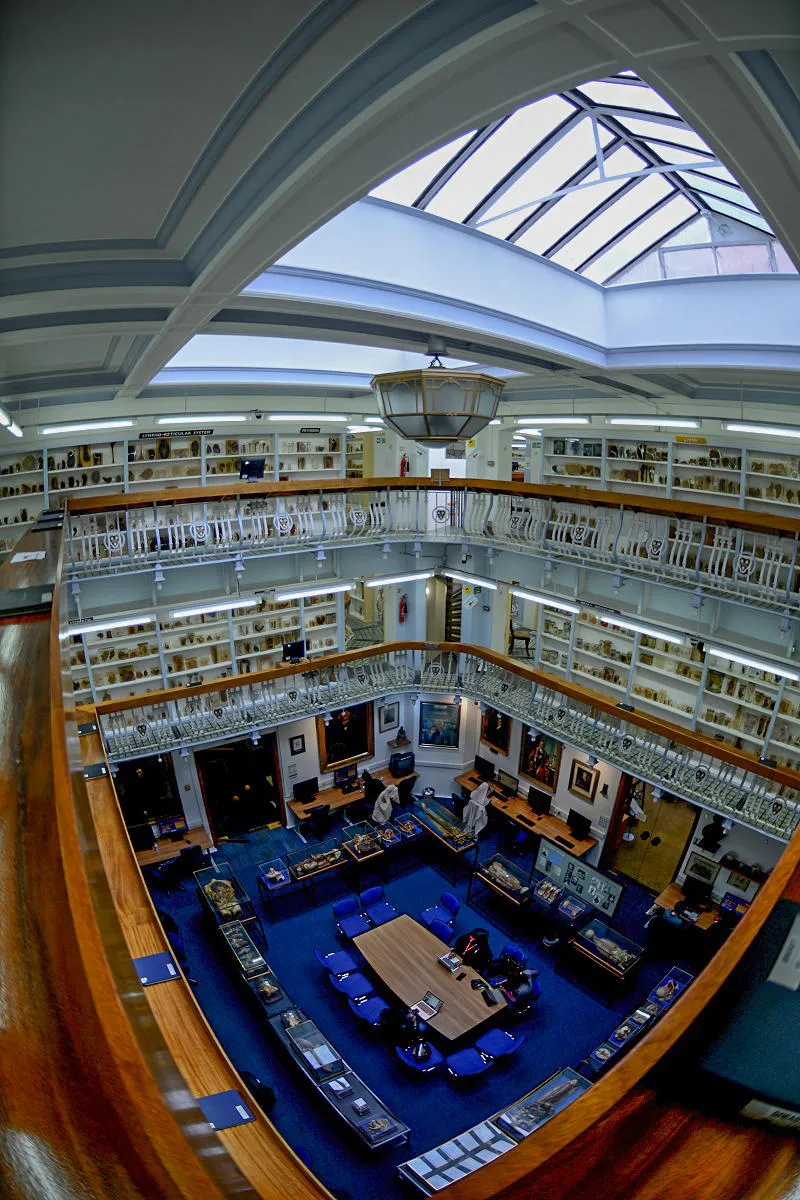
{"points": [[403, 954], [339, 799], [520, 812], [169, 849]]}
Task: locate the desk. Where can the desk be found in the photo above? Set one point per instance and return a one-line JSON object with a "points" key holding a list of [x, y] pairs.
{"points": [[167, 849], [403, 953], [519, 811], [673, 894], [339, 799]]}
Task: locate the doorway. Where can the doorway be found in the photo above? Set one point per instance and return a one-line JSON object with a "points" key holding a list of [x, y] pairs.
{"points": [[147, 790], [241, 786], [655, 832]]}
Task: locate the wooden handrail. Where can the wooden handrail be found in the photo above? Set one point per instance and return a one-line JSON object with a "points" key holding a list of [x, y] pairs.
{"points": [[784, 776], [696, 511]]}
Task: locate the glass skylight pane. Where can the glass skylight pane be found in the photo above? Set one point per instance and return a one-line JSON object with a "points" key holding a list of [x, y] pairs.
{"points": [[491, 162], [715, 187], [573, 150], [679, 156], [406, 185], [570, 210], [679, 135], [721, 172], [649, 231], [627, 95], [744, 260], [695, 234], [738, 214], [607, 224], [782, 261], [696, 260]]}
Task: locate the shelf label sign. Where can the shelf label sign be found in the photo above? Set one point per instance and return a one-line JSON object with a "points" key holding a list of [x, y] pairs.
{"points": [[693, 441], [176, 433], [311, 429]]}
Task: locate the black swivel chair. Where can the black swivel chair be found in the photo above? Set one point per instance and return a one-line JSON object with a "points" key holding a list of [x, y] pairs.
{"points": [[405, 790], [317, 820]]}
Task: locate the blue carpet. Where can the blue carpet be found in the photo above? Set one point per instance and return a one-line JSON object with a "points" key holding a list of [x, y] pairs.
{"points": [[570, 1019]]}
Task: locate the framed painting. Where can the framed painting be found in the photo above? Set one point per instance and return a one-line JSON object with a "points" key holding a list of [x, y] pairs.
{"points": [[389, 716], [297, 744], [702, 868], [496, 730], [583, 780], [439, 723], [346, 738], [540, 759]]}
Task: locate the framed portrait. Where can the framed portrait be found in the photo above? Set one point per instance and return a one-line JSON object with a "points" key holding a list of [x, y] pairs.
{"points": [[297, 744], [346, 738], [583, 780], [702, 868], [496, 730], [540, 759], [439, 723], [389, 716]]}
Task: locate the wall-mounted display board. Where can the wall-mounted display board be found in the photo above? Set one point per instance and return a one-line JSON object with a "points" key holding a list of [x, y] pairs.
{"points": [[578, 877]]}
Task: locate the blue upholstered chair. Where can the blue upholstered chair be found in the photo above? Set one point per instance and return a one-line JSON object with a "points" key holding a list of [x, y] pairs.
{"points": [[445, 910], [511, 953], [355, 986], [467, 1063], [441, 930], [497, 1043], [377, 907], [337, 962], [370, 1010], [349, 920], [422, 1066]]}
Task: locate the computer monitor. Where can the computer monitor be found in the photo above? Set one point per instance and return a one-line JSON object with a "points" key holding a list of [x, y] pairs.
{"points": [[538, 801], [484, 768], [141, 836], [345, 775], [294, 651], [580, 825], [508, 783], [696, 891], [306, 790], [251, 469]]}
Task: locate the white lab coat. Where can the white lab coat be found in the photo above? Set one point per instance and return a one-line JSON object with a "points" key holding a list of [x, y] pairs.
{"points": [[382, 812], [475, 817]]}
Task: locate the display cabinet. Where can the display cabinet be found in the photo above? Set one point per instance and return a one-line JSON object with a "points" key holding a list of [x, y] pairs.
{"points": [[607, 949], [408, 827], [273, 880], [315, 1051], [455, 1159], [312, 454], [388, 836], [223, 456], [508, 879], [445, 825], [667, 991], [164, 461], [361, 841], [22, 486], [249, 958], [561, 1089], [310, 861], [223, 896]]}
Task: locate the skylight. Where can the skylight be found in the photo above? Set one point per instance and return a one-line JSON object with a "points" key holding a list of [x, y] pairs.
{"points": [[595, 179]]}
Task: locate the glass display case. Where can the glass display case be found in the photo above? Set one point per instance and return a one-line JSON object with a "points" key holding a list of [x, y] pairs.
{"points": [[445, 825], [315, 1051], [249, 958], [607, 949], [549, 1098], [223, 895], [388, 836], [456, 1159], [506, 877], [314, 860], [547, 893], [571, 909], [266, 988], [667, 991], [273, 875], [408, 827], [361, 841]]}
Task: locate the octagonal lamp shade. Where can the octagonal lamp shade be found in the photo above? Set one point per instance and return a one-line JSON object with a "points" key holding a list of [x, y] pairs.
{"points": [[435, 406]]}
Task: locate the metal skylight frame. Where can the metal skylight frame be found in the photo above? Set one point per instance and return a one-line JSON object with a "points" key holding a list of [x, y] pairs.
{"points": [[627, 126]]}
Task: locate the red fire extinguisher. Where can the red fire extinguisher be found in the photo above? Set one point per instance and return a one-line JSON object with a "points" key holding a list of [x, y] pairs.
{"points": [[403, 610], [403, 466]]}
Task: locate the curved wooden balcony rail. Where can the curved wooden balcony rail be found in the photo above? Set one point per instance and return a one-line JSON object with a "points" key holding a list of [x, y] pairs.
{"points": [[95, 1101], [745, 556], [684, 762]]}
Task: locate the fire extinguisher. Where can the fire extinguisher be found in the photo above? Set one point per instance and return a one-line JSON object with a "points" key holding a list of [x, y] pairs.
{"points": [[403, 610], [403, 466]]}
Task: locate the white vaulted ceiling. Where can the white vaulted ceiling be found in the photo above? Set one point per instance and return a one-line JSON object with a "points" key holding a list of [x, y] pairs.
{"points": [[157, 158]]}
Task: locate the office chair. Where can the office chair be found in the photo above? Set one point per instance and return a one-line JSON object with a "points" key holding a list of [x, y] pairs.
{"points": [[349, 921], [467, 1063], [441, 930], [336, 962], [192, 858], [497, 1043], [179, 951], [370, 1011], [411, 1057], [446, 910], [318, 819], [377, 907], [405, 789]]}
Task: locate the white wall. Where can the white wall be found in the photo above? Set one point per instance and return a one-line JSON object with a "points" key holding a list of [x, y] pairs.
{"points": [[189, 790], [748, 845]]}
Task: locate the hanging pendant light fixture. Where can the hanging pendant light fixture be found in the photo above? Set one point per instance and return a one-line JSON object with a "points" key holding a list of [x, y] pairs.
{"points": [[434, 405]]}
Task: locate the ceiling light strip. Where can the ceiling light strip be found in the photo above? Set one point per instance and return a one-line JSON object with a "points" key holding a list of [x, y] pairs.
{"points": [[385, 580], [746, 661], [764, 430], [654, 422], [319, 589], [87, 426], [15, 429], [114, 623], [549, 601], [214, 606], [474, 580], [318, 417], [552, 420], [637, 627], [204, 419]]}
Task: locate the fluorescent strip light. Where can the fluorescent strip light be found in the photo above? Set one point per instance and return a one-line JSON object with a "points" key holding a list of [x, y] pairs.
{"points": [[387, 579], [654, 422], [204, 419], [15, 429], [552, 420], [759, 664], [496, 421], [323, 589], [373, 421], [766, 430], [87, 426], [102, 626], [528, 432], [360, 429], [200, 610], [5, 419], [635, 627], [307, 417], [473, 579], [550, 601]]}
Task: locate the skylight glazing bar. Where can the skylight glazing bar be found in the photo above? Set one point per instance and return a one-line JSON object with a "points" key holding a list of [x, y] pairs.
{"points": [[649, 250], [612, 241], [435, 185]]}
